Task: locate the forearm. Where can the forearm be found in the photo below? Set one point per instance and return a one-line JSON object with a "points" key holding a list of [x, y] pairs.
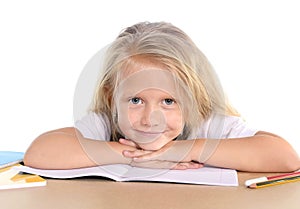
{"points": [[64, 149], [261, 153]]}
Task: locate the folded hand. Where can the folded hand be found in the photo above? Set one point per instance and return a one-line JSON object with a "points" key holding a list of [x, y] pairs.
{"points": [[174, 155]]}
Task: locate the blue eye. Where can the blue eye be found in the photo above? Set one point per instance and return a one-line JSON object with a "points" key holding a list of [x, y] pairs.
{"points": [[168, 101], [135, 100]]}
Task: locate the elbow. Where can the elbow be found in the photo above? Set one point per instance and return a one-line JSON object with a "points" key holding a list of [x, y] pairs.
{"points": [[28, 160], [35, 155], [288, 158], [294, 166], [31, 159], [291, 162]]}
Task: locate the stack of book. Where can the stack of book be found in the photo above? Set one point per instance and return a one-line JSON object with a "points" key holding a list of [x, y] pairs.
{"points": [[10, 178]]}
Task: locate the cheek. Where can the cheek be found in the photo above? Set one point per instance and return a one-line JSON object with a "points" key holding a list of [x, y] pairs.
{"points": [[123, 120], [133, 116], [175, 120], [127, 118]]}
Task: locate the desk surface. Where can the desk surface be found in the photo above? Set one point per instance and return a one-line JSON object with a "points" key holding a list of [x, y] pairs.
{"points": [[99, 193]]}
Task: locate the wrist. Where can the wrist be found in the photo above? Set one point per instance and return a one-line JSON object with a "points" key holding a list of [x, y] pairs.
{"points": [[196, 149], [116, 150]]}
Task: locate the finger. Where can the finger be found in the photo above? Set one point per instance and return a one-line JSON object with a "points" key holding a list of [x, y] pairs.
{"points": [[136, 153], [169, 152], [157, 155], [194, 165], [148, 156], [179, 166], [187, 165], [127, 142], [154, 164]]}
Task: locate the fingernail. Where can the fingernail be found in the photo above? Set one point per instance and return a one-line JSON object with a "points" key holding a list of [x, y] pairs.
{"points": [[125, 152], [136, 159]]}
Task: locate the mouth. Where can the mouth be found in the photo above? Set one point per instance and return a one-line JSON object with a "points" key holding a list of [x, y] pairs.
{"points": [[149, 133], [146, 136]]}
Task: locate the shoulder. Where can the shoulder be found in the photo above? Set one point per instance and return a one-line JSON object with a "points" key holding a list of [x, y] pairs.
{"points": [[224, 126], [94, 126]]}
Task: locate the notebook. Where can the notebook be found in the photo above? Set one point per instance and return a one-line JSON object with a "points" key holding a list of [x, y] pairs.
{"points": [[8, 158]]}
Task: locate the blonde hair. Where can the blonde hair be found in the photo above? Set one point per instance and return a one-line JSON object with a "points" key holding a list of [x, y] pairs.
{"points": [[169, 46]]}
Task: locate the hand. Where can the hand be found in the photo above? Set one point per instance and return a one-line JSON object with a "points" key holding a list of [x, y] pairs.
{"points": [[174, 155], [167, 165], [174, 151]]}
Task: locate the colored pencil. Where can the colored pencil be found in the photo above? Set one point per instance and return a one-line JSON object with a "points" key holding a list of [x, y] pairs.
{"points": [[268, 178], [275, 182]]}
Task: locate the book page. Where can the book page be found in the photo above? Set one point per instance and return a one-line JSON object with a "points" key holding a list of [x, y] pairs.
{"points": [[206, 175], [109, 171]]}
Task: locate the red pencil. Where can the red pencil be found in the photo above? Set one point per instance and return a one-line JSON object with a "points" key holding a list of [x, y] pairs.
{"points": [[268, 178]]}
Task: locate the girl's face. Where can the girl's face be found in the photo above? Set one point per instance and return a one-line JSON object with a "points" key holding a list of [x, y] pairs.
{"points": [[148, 111]]}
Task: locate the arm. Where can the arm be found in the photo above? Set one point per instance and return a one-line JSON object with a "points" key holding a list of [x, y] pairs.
{"points": [[66, 148], [264, 152]]}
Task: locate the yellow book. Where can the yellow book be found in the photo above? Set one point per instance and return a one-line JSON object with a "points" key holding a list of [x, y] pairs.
{"points": [[12, 179]]}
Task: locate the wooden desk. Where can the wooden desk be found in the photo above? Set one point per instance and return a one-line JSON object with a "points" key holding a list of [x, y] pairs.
{"points": [[98, 193]]}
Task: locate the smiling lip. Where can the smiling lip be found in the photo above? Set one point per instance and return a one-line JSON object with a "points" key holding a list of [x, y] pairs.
{"points": [[146, 137], [149, 133]]}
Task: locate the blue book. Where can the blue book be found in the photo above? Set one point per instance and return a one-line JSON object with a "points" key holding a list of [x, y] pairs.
{"points": [[8, 158]]}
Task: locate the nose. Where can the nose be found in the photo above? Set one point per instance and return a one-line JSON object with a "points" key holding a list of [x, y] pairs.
{"points": [[152, 116]]}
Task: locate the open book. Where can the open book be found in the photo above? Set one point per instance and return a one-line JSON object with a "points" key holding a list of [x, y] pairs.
{"points": [[122, 172]]}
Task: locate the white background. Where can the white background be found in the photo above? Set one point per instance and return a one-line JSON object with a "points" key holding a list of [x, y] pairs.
{"points": [[253, 45]]}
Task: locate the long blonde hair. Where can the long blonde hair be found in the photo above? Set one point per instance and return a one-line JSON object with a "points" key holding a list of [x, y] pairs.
{"points": [[171, 47]]}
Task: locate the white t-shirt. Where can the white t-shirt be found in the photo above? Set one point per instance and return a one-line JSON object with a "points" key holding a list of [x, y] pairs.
{"points": [[97, 126]]}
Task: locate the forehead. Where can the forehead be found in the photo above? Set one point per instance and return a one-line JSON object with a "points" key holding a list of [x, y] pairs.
{"points": [[140, 73], [138, 63], [145, 79]]}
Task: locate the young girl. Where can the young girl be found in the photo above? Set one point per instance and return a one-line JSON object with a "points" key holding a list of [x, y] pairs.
{"points": [[159, 104]]}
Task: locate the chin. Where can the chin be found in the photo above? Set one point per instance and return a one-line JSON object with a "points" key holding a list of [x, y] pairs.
{"points": [[151, 146]]}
